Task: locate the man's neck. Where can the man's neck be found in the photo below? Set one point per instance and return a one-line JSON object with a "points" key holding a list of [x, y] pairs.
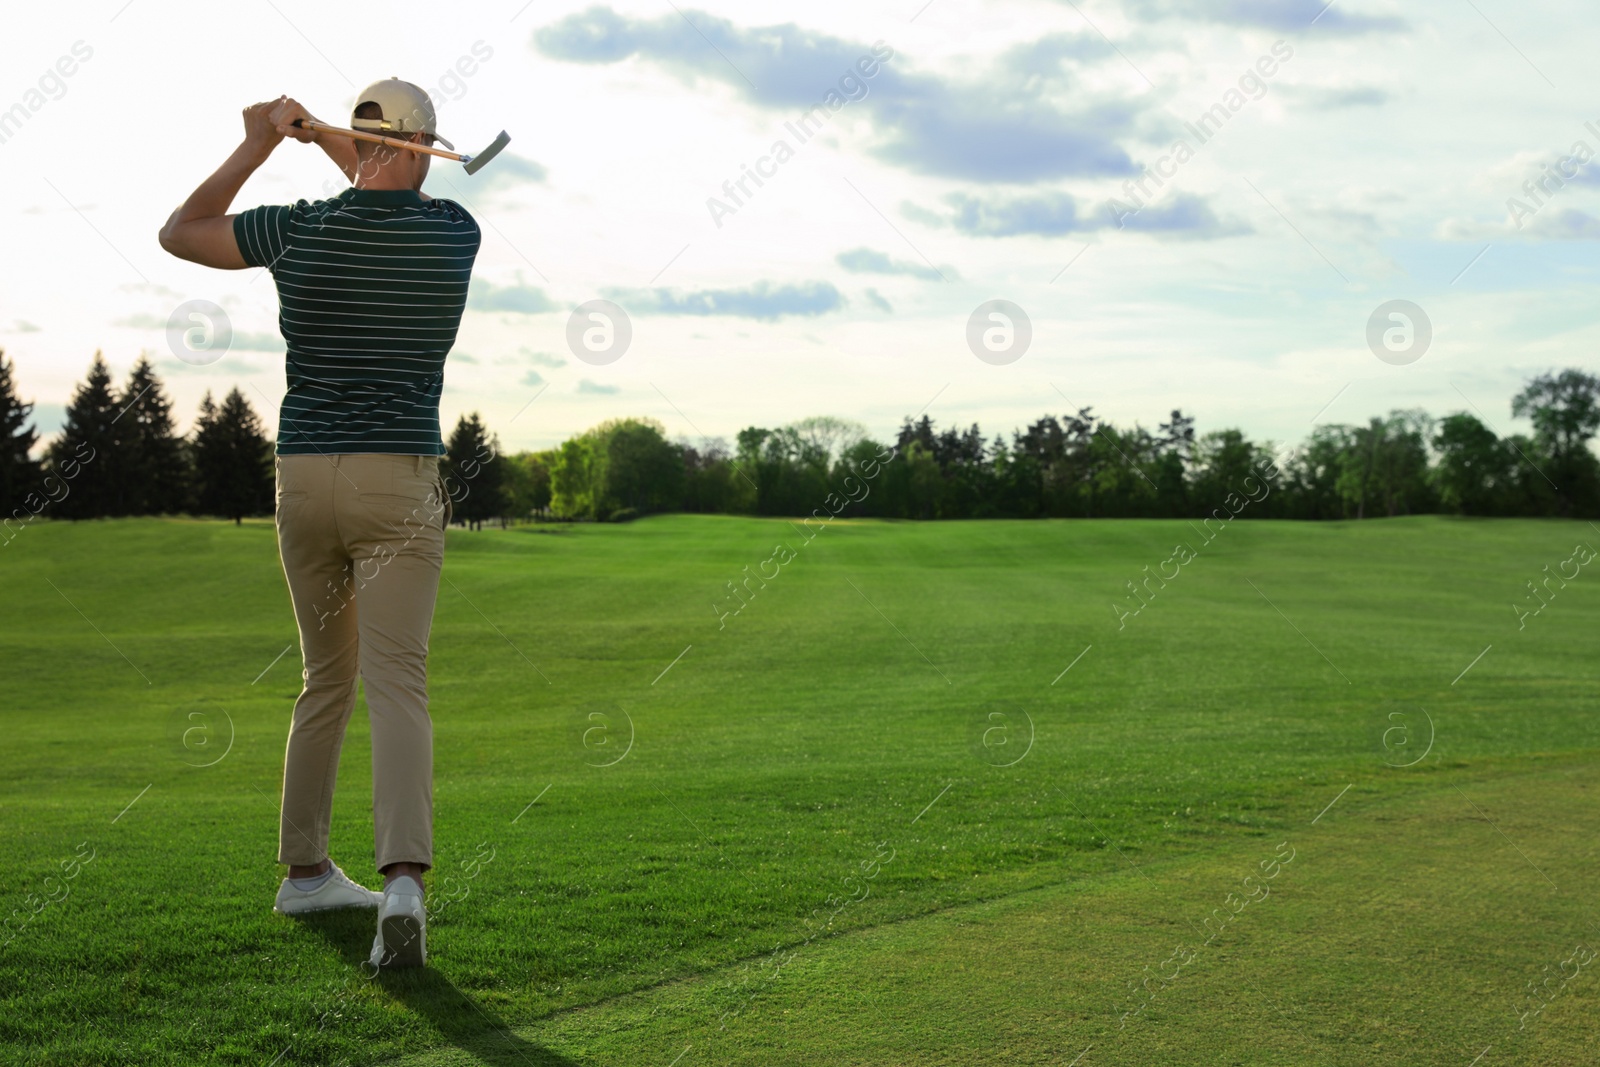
{"points": [[379, 184]]}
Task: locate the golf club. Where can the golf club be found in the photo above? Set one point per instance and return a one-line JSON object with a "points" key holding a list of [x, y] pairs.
{"points": [[473, 163]]}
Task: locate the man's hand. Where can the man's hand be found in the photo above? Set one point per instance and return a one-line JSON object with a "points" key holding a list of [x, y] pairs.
{"points": [[262, 131], [284, 114]]}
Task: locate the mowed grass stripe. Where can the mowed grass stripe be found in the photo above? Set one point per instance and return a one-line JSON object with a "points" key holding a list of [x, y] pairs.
{"points": [[1388, 938]]}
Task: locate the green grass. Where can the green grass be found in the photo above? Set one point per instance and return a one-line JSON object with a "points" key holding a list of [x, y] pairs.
{"points": [[1401, 932], [633, 911]]}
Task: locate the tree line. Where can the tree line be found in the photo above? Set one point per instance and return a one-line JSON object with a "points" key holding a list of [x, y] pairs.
{"points": [[1077, 465], [118, 454]]}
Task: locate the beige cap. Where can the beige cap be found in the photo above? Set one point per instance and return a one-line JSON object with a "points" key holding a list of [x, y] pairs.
{"points": [[406, 109]]}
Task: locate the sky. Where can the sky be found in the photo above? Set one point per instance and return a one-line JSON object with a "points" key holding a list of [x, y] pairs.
{"points": [[917, 162]]}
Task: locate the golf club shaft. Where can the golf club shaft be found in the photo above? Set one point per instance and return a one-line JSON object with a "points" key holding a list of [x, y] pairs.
{"points": [[376, 138]]}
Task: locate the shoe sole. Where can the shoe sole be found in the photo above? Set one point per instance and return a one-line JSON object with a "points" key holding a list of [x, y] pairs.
{"points": [[402, 942], [374, 904]]}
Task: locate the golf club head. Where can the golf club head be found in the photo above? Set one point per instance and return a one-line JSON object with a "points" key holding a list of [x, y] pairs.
{"points": [[477, 162]]}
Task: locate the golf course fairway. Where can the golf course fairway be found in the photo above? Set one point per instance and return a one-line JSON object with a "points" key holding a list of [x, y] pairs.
{"points": [[928, 797]]}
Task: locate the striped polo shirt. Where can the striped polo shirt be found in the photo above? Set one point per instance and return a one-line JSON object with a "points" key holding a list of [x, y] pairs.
{"points": [[371, 287]]}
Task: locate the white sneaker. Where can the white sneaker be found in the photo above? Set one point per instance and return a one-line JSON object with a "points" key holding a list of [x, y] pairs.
{"points": [[337, 892], [402, 939]]}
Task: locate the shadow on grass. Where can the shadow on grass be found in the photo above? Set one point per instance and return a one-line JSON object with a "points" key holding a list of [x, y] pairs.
{"points": [[460, 1020]]}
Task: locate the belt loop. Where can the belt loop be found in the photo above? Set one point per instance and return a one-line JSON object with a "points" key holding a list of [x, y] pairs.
{"points": [[419, 464], [335, 458]]}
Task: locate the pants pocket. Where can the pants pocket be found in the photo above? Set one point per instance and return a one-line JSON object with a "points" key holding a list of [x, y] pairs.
{"points": [[286, 499], [448, 510]]}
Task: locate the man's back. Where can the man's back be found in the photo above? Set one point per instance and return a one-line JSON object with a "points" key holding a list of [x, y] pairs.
{"points": [[372, 285]]}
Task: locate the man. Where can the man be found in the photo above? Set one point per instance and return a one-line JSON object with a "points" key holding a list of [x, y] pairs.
{"points": [[372, 284]]}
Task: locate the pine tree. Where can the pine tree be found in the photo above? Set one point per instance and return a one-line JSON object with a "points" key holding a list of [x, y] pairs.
{"points": [[87, 453], [232, 459], [152, 455], [19, 473], [474, 473]]}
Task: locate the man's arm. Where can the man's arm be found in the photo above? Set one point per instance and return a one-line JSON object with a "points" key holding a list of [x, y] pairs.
{"points": [[201, 230], [342, 150]]}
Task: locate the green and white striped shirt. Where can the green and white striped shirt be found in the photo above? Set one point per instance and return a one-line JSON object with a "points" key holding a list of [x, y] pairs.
{"points": [[371, 288]]}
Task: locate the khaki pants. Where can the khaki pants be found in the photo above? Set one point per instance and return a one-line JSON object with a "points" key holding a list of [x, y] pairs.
{"points": [[362, 541]]}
